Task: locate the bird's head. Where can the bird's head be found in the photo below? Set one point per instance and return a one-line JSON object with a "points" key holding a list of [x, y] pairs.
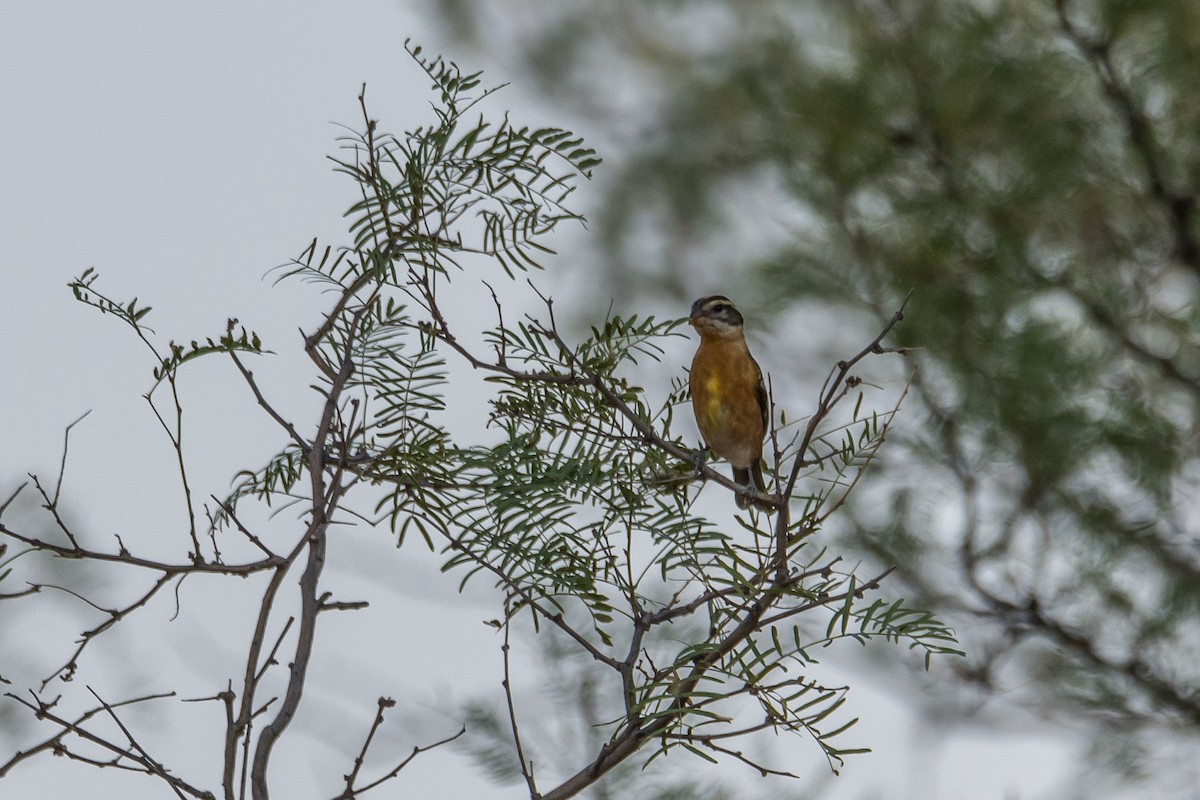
{"points": [[716, 315]]}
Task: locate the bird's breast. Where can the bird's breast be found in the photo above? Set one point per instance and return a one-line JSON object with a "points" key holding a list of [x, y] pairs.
{"points": [[724, 399]]}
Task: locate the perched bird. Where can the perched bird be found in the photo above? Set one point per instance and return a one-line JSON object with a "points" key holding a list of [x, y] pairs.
{"points": [[728, 395]]}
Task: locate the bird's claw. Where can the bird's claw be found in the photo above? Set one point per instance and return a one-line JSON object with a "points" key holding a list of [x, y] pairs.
{"points": [[762, 501]]}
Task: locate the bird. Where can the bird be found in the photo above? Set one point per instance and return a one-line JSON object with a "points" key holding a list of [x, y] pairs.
{"points": [[729, 398]]}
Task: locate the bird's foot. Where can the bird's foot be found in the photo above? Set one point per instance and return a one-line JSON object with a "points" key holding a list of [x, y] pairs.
{"points": [[751, 497]]}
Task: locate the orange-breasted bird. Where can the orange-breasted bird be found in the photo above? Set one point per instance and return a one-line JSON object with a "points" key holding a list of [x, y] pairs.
{"points": [[728, 395]]}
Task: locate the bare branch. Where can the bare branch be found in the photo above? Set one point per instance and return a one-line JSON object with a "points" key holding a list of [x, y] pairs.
{"points": [[270, 409], [62, 467], [154, 766], [137, 756], [54, 744], [416, 751], [325, 499], [229, 512], [128, 559], [4, 506]]}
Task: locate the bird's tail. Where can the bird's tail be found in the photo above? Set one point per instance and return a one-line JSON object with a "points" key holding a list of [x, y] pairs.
{"points": [[752, 476]]}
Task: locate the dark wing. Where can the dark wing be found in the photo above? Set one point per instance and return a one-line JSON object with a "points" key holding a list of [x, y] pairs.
{"points": [[760, 392]]}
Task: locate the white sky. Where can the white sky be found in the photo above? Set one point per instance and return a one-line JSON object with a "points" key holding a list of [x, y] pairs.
{"points": [[180, 149]]}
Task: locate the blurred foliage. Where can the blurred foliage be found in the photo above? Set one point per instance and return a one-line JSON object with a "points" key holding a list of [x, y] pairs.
{"points": [[1031, 172]]}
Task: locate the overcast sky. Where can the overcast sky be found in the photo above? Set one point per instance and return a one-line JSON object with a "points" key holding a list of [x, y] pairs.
{"points": [[179, 149]]}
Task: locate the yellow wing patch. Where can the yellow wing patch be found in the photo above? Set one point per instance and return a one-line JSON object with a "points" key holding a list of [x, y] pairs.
{"points": [[712, 408]]}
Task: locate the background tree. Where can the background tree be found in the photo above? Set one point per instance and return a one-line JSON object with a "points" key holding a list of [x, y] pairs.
{"points": [[1030, 172], [577, 507]]}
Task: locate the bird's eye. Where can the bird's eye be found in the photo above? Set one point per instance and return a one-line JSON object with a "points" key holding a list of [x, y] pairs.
{"points": [[721, 308]]}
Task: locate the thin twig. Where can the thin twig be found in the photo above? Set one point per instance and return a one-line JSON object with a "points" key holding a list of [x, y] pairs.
{"points": [[266, 406], [155, 766], [384, 704], [229, 512], [525, 766], [4, 506], [67, 670], [416, 751], [62, 467]]}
